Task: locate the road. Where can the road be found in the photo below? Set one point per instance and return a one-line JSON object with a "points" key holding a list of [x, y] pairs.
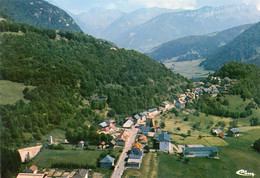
{"points": [[120, 166]]}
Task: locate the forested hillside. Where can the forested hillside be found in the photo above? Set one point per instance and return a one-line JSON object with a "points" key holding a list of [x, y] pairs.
{"points": [[195, 47], [39, 13], [244, 48], [74, 74]]}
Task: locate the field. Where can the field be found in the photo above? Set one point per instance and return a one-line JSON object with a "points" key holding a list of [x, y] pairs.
{"points": [[189, 69], [148, 168], [238, 154], [11, 92], [79, 156]]}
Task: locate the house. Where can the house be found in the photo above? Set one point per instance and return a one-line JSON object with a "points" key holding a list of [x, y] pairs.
{"points": [[137, 117], [122, 139], [166, 104], [153, 111], [180, 103], [33, 169], [143, 140], [128, 124], [29, 175], [201, 152], [112, 144], [136, 153], [143, 115], [135, 157], [104, 124], [234, 132], [81, 173], [81, 144], [145, 129], [134, 163], [150, 120], [50, 140], [217, 132], [107, 162], [164, 140]]}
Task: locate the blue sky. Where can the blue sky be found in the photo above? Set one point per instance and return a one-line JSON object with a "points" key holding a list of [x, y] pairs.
{"points": [[78, 6]]}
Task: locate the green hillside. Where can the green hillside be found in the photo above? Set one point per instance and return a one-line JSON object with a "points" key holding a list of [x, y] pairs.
{"points": [[195, 47], [74, 74], [39, 13], [244, 48]]}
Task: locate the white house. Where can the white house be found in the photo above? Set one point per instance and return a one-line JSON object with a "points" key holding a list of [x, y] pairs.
{"points": [[164, 140]]}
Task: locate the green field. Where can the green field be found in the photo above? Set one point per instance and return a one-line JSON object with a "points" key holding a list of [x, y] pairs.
{"points": [[11, 92], [238, 154], [79, 156]]}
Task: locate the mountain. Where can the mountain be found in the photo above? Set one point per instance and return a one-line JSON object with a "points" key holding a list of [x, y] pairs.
{"points": [[170, 26], [244, 48], [75, 75], [131, 20], [95, 21], [195, 47], [39, 13]]}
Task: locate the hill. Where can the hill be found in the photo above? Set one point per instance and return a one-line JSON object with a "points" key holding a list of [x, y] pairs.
{"points": [[170, 26], [39, 13], [194, 47], [244, 48], [74, 75]]}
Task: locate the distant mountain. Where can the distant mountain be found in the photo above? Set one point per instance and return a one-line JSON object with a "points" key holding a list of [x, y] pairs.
{"points": [[39, 13], [244, 48], [195, 47], [96, 20], [170, 26], [131, 20]]}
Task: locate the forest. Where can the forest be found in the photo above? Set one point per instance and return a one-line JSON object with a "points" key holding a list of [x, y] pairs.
{"points": [[74, 74]]}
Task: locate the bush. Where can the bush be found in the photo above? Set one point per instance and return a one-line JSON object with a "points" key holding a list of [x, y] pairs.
{"points": [[256, 145]]}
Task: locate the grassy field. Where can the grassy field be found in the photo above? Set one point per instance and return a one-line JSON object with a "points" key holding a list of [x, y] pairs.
{"points": [[11, 92], [238, 154], [189, 69], [46, 157], [148, 168]]}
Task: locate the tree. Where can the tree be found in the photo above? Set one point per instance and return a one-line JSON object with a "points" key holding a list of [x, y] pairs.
{"points": [[162, 124], [256, 145], [10, 162], [254, 121], [189, 132], [233, 124]]}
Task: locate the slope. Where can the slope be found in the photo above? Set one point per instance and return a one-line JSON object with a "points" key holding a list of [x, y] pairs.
{"points": [[39, 13], [244, 48], [73, 75], [194, 47]]}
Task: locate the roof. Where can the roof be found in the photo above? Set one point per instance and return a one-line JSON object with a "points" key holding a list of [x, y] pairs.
{"points": [[150, 117], [128, 123], [105, 123], [81, 173], [107, 159], [122, 137], [143, 114], [234, 130], [33, 168], [196, 145], [197, 149], [136, 151], [164, 137], [153, 110], [139, 161], [137, 117], [143, 139], [145, 128], [137, 145], [28, 175]]}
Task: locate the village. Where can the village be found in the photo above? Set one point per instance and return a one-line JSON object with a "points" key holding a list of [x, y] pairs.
{"points": [[139, 135]]}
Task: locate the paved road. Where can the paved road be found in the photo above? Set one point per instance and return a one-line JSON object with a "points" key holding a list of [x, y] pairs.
{"points": [[120, 166]]}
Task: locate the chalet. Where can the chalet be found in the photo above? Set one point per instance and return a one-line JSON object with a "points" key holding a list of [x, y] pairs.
{"points": [[81, 173], [107, 162], [106, 123], [135, 157], [234, 132], [122, 139], [30, 175], [81, 144], [164, 140], [128, 124], [143, 140], [210, 152], [145, 130], [33, 169]]}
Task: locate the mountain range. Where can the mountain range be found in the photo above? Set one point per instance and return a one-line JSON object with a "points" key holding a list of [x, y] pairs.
{"points": [[39, 13], [195, 47]]}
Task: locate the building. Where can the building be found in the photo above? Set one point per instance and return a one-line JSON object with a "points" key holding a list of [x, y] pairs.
{"points": [[134, 163], [81, 144], [107, 162], [81, 173], [234, 132], [30, 175], [143, 115], [150, 120], [106, 123], [137, 117], [210, 152], [128, 124], [145, 130], [154, 111], [50, 140], [143, 140], [164, 140], [33, 169], [217, 132], [136, 155], [122, 139], [166, 105]]}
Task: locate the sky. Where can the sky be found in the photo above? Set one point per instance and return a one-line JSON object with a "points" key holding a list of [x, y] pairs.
{"points": [[78, 6]]}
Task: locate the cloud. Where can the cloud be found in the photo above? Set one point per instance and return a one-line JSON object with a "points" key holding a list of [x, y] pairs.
{"points": [[111, 6], [169, 4], [253, 2]]}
